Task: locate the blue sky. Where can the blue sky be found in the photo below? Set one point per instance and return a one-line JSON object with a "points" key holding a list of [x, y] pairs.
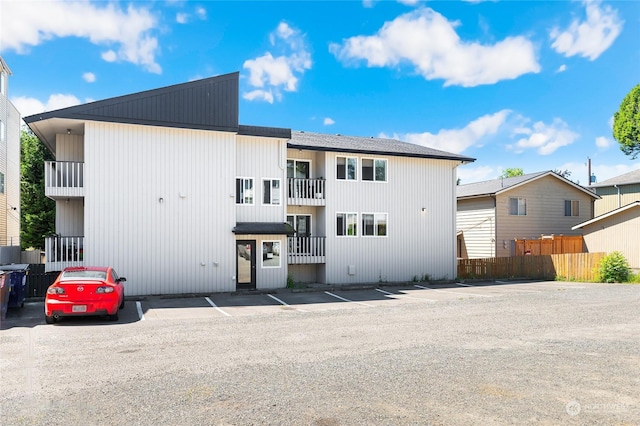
{"points": [[529, 84]]}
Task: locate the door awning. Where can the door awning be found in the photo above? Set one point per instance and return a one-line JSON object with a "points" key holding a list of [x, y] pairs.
{"points": [[264, 228]]}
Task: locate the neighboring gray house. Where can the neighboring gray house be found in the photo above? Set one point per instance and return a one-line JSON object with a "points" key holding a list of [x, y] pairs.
{"points": [[617, 192], [492, 214], [9, 172], [167, 187], [615, 230]]}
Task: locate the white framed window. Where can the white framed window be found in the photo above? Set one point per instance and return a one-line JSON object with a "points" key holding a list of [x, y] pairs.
{"points": [[3, 83], [271, 191], [347, 168], [374, 224], [3, 132], [518, 206], [571, 207], [271, 254], [347, 224], [244, 191], [374, 169]]}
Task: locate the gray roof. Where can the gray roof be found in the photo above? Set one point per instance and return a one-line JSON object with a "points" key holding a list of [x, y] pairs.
{"points": [[625, 179], [264, 228], [367, 145], [495, 186]]}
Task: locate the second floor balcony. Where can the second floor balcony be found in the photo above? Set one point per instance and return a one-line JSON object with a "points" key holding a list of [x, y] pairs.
{"points": [[64, 179], [62, 252], [305, 192]]}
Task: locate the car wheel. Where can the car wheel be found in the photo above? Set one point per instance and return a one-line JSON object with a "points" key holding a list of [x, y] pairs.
{"points": [[113, 317], [49, 320], [121, 303]]}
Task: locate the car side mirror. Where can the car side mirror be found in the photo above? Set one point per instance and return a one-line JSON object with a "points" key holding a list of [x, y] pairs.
{"points": [[121, 279]]}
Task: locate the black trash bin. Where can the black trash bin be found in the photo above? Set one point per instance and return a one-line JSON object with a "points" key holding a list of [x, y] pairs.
{"points": [[18, 283]]}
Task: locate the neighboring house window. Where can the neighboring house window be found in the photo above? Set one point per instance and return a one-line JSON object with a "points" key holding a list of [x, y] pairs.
{"points": [[518, 206], [1, 183], [2, 132], [244, 191], [271, 191], [571, 208], [3, 83], [374, 224], [347, 168], [374, 169], [347, 224]]}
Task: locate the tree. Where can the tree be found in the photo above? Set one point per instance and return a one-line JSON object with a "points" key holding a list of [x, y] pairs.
{"points": [[38, 211], [626, 123], [512, 172], [564, 173]]}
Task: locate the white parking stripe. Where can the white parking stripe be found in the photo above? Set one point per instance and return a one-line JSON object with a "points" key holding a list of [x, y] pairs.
{"points": [[139, 308], [453, 292], [347, 300], [284, 303], [215, 306], [405, 296]]}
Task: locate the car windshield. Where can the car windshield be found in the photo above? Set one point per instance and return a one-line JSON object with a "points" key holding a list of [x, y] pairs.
{"points": [[74, 275]]}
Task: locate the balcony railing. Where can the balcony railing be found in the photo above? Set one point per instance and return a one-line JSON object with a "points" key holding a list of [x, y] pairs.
{"points": [[64, 179], [306, 192], [304, 250], [61, 252]]}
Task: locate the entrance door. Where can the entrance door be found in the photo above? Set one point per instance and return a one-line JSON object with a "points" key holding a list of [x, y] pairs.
{"points": [[246, 265]]}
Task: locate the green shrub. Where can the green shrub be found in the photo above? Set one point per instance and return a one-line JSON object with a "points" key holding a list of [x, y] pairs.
{"points": [[290, 281], [613, 268]]}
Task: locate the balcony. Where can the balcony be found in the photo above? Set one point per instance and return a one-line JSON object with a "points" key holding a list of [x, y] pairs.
{"points": [[63, 179], [306, 192], [306, 250], [62, 252]]}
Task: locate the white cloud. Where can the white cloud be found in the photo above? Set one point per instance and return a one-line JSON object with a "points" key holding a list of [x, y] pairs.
{"points": [[89, 77], [427, 41], [562, 68], [29, 106], [409, 2], [279, 72], [202, 13], [603, 142], [458, 140], [591, 37], [470, 174], [328, 121], [182, 18], [126, 33], [546, 138]]}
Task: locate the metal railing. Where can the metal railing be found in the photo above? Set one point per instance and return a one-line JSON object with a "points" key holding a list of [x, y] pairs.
{"points": [[66, 250], [63, 174], [306, 250], [306, 189]]}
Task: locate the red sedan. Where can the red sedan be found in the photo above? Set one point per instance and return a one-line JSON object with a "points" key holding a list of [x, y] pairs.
{"points": [[91, 290]]}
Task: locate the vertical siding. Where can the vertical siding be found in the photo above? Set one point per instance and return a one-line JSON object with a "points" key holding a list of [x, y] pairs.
{"points": [[70, 218], [418, 242], [545, 212], [12, 178], [611, 200], [136, 218], [69, 147], [620, 232], [261, 158], [476, 220]]}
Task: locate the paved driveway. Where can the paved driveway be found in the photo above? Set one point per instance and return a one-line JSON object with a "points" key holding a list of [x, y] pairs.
{"points": [[487, 353]]}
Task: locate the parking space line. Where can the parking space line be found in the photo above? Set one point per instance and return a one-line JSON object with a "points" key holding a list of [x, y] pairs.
{"points": [[284, 303], [452, 292], [405, 296], [347, 300], [139, 308], [216, 307]]}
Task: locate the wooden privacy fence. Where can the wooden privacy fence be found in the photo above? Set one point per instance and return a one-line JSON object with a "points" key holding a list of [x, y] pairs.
{"points": [[569, 266], [553, 244]]}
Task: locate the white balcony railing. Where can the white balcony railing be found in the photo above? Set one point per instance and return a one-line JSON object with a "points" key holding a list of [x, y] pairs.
{"points": [[304, 250], [62, 252], [64, 179], [306, 192]]}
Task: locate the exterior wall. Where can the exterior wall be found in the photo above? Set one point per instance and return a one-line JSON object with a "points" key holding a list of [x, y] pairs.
{"points": [[70, 218], [69, 147], [476, 219], [419, 241], [620, 232], [545, 212], [10, 167], [611, 200], [269, 277], [261, 158], [158, 207]]}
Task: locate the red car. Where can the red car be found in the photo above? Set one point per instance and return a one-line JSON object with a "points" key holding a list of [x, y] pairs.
{"points": [[91, 290]]}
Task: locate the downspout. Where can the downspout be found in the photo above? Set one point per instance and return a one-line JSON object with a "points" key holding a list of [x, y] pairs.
{"points": [[618, 188]]}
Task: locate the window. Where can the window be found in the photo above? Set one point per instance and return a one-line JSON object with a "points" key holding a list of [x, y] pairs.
{"points": [[347, 168], [346, 224], [3, 83], [244, 191], [571, 208], [374, 224], [1, 183], [518, 206], [2, 132], [271, 254], [271, 191], [374, 170]]}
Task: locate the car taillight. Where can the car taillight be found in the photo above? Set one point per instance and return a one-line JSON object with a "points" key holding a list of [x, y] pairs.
{"points": [[55, 290], [107, 289]]}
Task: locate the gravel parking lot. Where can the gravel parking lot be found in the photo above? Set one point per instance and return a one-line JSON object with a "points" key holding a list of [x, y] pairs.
{"points": [[489, 353]]}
